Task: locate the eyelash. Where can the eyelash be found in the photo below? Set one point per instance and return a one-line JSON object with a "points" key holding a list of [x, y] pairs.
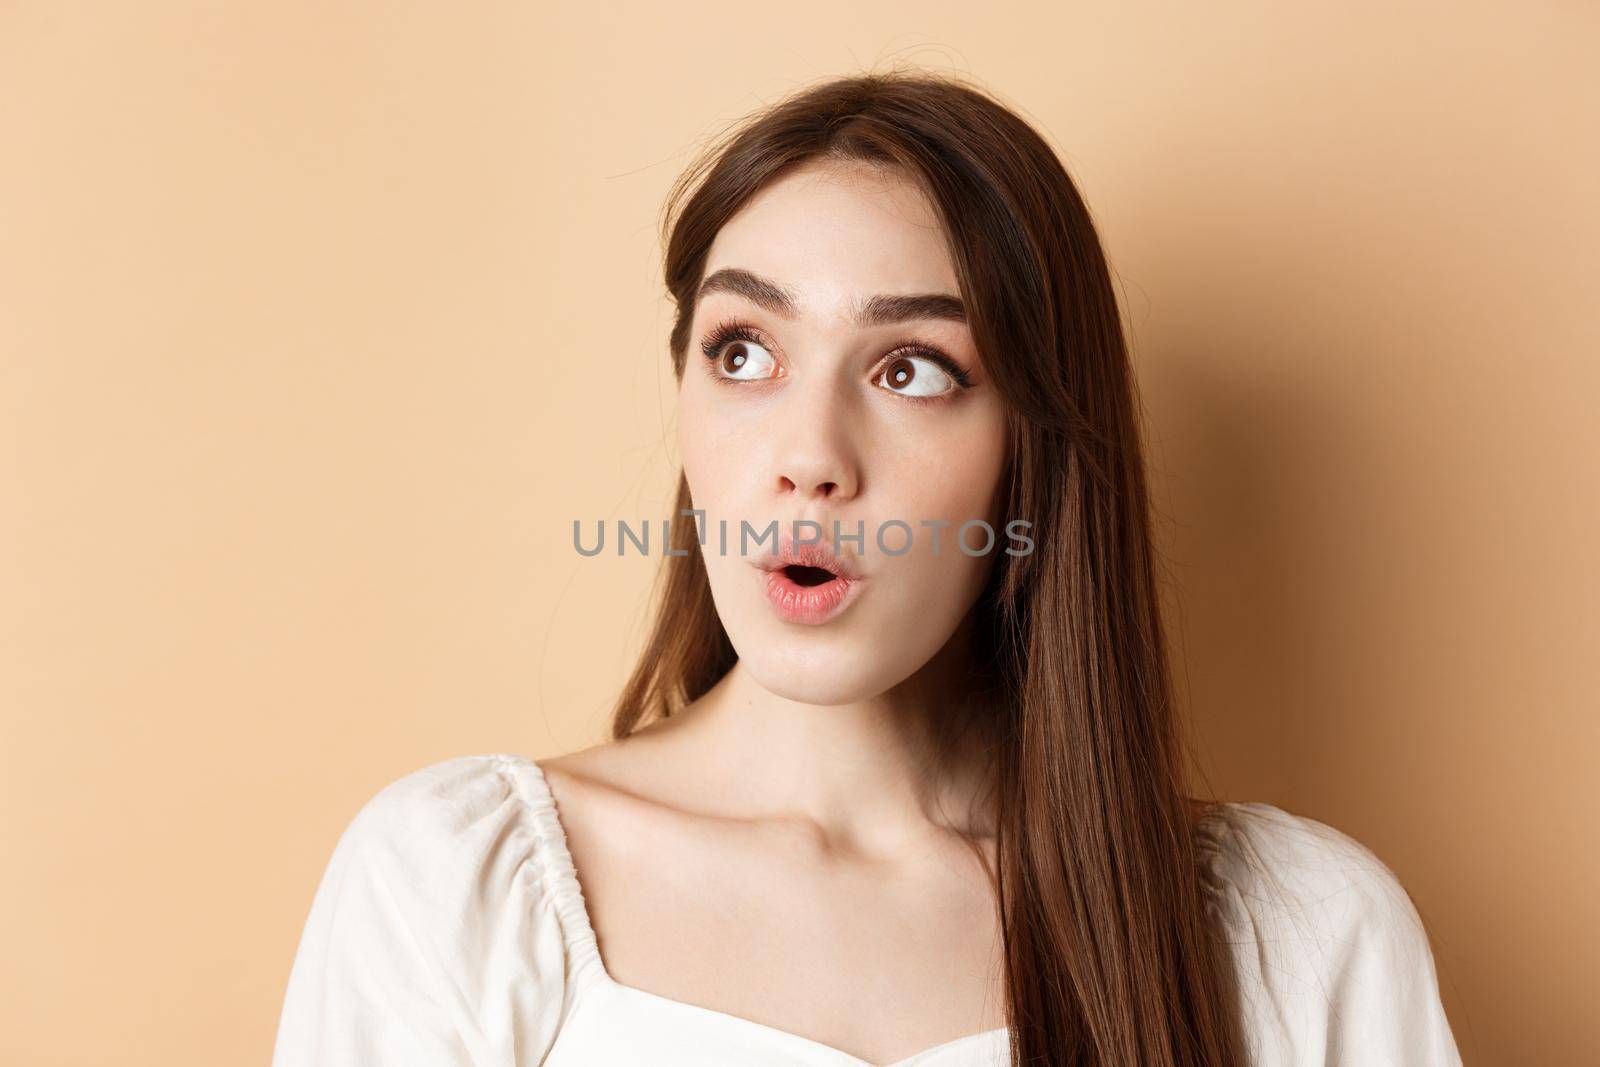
{"points": [[737, 330]]}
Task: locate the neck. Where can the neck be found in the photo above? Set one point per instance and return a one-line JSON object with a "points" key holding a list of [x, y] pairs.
{"points": [[874, 776]]}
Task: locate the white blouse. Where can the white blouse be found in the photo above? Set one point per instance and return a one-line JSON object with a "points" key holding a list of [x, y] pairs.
{"points": [[449, 930]]}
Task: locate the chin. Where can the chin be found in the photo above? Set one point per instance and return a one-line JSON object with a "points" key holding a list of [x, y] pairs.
{"points": [[840, 681], [801, 668], [872, 648]]}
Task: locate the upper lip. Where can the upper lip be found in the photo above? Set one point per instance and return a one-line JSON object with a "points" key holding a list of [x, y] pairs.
{"points": [[820, 554]]}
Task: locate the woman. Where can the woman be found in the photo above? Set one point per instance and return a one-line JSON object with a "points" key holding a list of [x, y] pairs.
{"points": [[885, 798]]}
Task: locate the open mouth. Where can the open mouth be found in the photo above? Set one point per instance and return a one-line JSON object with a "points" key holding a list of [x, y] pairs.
{"points": [[803, 593], [806, 577]]}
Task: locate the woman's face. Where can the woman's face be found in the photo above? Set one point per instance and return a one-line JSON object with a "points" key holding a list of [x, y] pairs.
{"points": [[818, 412]]}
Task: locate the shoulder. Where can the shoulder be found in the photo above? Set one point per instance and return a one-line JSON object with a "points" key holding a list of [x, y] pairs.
{"points": [[1289, 843], [436, 829], [1281, 865], [439, 927], [1330, 948], [438, 806], [621, 802], [460, 837]]}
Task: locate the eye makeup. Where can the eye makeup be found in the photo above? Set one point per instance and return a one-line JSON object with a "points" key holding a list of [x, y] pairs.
{"points": [[727, 331]]}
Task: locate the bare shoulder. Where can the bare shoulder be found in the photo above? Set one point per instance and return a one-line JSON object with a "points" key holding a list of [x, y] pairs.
{"points": [[617, 799], [641, 765]]}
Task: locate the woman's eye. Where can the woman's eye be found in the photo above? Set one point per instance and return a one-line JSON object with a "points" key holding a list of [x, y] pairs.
{"points": [[745, 360], [916, 376]]}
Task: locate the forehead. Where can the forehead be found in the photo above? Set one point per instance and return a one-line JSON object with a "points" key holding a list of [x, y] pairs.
{"points": [[832, 232]]}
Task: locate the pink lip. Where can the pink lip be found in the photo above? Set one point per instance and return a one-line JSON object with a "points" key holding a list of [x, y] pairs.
{"points": [[808, 554], [809, 605]]}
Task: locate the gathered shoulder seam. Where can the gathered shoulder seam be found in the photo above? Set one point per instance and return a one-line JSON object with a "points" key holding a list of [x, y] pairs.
{"points": [[557, 877]]}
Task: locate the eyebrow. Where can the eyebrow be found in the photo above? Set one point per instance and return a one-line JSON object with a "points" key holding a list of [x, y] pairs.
{"points": [[879, 310]]}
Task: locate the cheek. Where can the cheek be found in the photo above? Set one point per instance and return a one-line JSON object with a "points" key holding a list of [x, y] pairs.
{"points": [[704, 459], [956, 475], [956, 479]]}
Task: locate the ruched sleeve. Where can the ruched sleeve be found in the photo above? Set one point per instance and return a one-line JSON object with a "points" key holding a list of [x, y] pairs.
{"points": [[1335, 965], [431, 939]]}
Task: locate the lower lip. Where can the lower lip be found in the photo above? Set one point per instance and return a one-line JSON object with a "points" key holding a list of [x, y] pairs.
{"points": [[809, 605]]}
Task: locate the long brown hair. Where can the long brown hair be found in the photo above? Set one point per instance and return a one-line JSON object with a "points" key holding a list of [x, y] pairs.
{"points": [[1111, 955]]}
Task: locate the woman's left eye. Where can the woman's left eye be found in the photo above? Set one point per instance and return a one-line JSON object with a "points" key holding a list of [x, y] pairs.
{"points": [[916, 376]]}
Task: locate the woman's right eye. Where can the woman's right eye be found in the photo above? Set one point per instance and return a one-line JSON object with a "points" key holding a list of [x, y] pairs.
{"points": [[744, 360]]}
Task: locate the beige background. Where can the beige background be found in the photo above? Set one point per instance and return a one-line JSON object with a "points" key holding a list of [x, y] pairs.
{"points": [[319, 323]]}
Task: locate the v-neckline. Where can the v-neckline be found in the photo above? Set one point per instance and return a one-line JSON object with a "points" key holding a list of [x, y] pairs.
{"points": [[585, 936]]}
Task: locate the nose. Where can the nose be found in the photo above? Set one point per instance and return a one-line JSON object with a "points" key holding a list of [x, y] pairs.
{"points": [[808, 486], [816, 457]]}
